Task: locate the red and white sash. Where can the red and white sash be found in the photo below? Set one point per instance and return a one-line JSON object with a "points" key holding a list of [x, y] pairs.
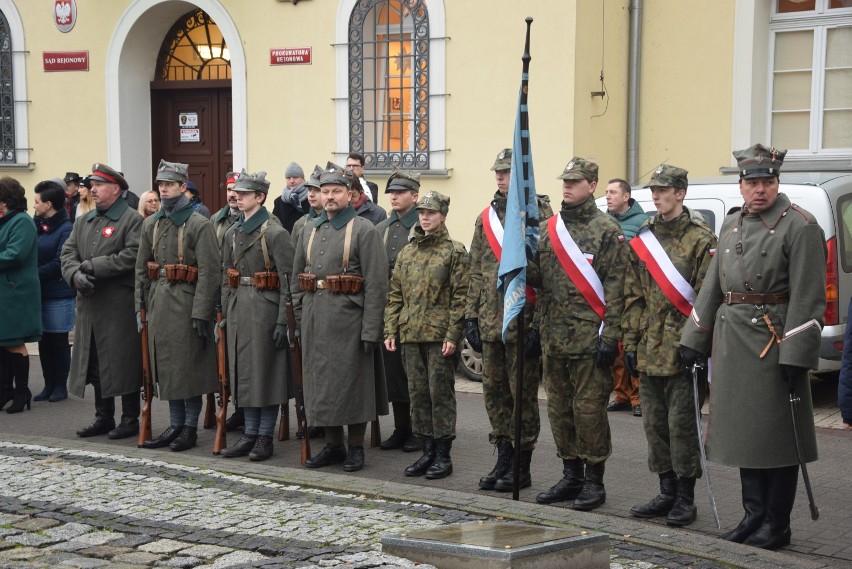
{"points": [[577, 266], [493, 230], [668, 278]]}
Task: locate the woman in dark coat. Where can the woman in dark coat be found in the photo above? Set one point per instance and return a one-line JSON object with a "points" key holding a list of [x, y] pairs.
{"points": [[57, 298], [20, 298]]}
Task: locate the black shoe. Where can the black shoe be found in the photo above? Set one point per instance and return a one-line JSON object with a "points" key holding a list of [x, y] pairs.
{"points": [[316, 432], [637, 410], [618, 406], [662, 504], [330, 454], [242, 448], [754, 489], [165, 438], [126, 428], [503, 465], [422, 464], [774, 532], [396, 440], [768, 538], [185, 440], [99, 426], [506, 483], [44, 394], [683, 511], [354, 459], [262, 449], [236, 421], [60, 392], [593, 493], [23, 397], [442, 465], [412, 444], [568, 487]]}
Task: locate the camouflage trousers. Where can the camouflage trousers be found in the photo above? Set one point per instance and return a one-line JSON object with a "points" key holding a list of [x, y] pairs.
{"points": [[499, 371], [577, 392], [668, 415], [431, 387]]}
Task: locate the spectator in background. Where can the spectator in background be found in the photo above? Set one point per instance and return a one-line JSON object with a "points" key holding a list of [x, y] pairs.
{"points": [[57, 298], [84, 201], [292, 204], [191, 192], [72, 192], [355, 164], [844, 386], [149, 203]]}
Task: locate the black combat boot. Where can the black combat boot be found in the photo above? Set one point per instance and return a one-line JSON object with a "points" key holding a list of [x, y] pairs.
{"points": [[241, 448], [104, 413], [663, 502], [354, 459], [568, 487], [262, 449], [423, 463], [593, 493], [236, 421], [754, 489], [774, 532], [412, 444], [128, 427], [185, 440], [683, 511], [503, 465], [21, 395], [396, 440], [442, 466], [165, 439], [506, 482], [332, 453]]}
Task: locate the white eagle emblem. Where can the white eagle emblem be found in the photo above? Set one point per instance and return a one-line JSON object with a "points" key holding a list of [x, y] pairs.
{"points": [[63, 12]]}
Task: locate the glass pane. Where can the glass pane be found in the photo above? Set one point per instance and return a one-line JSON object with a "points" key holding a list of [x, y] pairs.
{"points": [[840, 4], [838, 51], [794, 50], [837, 129], [786, 6], [791, 91], [838, 89], [790, 130]]}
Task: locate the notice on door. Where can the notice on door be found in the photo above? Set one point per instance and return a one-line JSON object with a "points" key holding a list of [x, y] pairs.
{"points": [[189, 131]]}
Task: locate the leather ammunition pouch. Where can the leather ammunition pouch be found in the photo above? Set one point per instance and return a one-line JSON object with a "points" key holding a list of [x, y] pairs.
{"points": [[266, 280], [233, 278], [307, 282], [153, 270]]}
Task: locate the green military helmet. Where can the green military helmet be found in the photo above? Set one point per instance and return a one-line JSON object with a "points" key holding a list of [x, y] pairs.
{"points": [[314, 180], [503, 160], [256, 182], [334, 174], [403, 180], [172, 172], [667, 175], [580, 169], [757, 161], [103, 173], [435, 201]]}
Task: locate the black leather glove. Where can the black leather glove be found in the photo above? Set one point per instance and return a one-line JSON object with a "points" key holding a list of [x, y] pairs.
{"points": [[605, 354], [203, 329], [280, 335], [793, 374], [87, 267], [691, 357], [630, 363], [532, 344], [84, 283], [368, 347], [471, 334]]}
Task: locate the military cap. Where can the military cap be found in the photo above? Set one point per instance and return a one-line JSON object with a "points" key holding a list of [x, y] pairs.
{"points": [[579, 169], [231, 177], [400, 180], [334, 174], [293, 170], [759, 162], [503, 160], [256, 182], [435, 201], [172, 172], [71, 177], [103, 173], [667, 175], [314, 180]]}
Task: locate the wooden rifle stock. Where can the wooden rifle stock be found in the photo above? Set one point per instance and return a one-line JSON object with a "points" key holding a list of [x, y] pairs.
{"points": [[284, 423], [147, 382], [219, 441], [296, 352]]}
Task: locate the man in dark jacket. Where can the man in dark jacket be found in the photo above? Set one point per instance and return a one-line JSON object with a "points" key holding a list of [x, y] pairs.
{"points": [[292, 204]]}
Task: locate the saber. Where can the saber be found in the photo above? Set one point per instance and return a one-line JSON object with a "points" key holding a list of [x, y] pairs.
{"points": [[704, 467], [794, 408]]}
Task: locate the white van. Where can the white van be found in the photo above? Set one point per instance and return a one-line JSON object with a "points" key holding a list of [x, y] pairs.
{"points": [[828, 196]]}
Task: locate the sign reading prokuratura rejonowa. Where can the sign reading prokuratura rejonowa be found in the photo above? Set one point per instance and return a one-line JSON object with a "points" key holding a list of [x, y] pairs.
{"points": [[65, 60], [290, 56]]}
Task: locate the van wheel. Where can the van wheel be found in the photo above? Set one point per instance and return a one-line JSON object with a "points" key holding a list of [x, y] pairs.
{"points": [[471, 362]]}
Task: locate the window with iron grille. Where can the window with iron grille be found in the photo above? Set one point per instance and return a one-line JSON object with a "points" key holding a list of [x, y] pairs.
{"points": [[194, 49], [7, 98], [389, 83]]}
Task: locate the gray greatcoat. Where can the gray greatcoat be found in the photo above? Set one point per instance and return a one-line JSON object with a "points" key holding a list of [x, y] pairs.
{"points": [[181, 365], [343, 385], [111, 241], [261, 373], [783, 250]]}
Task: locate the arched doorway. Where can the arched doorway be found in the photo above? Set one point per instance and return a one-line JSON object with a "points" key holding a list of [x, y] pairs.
{"points": [[191, 118]]}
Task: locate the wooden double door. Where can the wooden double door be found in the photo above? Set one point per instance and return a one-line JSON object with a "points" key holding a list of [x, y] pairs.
{"points": [[192, 123]]}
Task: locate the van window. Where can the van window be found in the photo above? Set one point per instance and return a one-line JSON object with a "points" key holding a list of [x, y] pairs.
{"points": [[844, 206]]}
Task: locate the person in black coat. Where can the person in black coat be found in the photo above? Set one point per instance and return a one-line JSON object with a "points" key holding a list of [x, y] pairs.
{"points": [[292, 204], [355, 164]]}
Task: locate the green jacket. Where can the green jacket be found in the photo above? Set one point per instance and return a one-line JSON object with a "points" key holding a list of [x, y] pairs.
{"points": [[651, 323], [631, 220], [427, 290], [20, 288]]}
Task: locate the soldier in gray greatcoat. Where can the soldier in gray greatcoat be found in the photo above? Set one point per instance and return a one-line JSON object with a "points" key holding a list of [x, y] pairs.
{"points": [[178, 269], [256, 255], [225, 217], [98, 260], [340, 299], [770, 253]]}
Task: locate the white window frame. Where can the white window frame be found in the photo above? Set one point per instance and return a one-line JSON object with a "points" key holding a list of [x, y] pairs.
{"points": [[19, 80]]}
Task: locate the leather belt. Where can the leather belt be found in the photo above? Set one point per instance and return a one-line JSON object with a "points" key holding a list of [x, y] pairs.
{"points": [[321, 284], [247, 281], [756, 298]]}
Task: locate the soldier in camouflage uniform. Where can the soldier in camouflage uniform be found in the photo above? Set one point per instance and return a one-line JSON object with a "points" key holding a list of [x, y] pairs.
{"points": [[483, 330], [396, 231], [577, 354], [652, 324], [425, 310]]}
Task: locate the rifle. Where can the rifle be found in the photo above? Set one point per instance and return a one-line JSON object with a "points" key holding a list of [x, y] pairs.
{"points": [[296, 352], [284, 423], [147, 382], [219, 441], [210, 412]]}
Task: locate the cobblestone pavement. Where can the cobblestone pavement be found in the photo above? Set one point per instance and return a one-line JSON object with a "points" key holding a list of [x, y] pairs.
{"points": [[86, 509]]}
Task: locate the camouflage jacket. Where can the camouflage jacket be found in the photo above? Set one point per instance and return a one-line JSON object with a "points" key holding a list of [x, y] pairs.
{"points": [[569, 327], [651, 323], [484, 302], [427, 290], [395, 232]]}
